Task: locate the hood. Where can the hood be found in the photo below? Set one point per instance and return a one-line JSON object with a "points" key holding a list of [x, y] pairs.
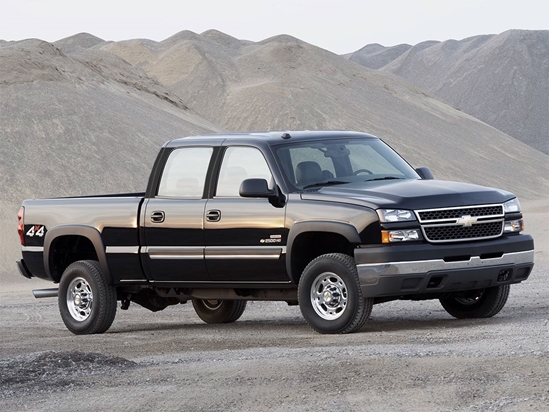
{"points": [[410, 194]]}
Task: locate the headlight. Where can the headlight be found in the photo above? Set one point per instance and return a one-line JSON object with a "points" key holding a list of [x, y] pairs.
{"points": [[512, 206], [395, 215]]}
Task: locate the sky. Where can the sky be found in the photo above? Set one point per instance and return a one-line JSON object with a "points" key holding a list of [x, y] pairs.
{"points": [[341, 26]]}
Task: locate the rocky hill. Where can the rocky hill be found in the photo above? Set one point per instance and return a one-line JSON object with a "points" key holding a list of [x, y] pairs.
{"points": [[502, 79], [285, 83]]}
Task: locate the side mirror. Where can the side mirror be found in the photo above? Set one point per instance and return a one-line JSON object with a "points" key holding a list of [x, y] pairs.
{"points": [[260, 188], [425, 173], [255, 188]]}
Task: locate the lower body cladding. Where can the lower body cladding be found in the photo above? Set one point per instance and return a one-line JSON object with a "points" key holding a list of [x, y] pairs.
{"points": [[415, 273]]}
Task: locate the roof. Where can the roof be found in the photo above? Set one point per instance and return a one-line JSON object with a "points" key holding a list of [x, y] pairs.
{"points": [[270, 137]]}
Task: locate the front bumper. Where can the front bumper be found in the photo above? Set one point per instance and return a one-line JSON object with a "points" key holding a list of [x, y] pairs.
{"points": [[420, 269]]}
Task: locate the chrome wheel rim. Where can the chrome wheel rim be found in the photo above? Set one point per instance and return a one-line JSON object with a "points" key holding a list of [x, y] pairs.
{"points": [[329, 296], [79, 299]]}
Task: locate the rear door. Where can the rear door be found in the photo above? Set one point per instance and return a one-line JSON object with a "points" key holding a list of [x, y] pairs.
{"points": [[245, 237], [173, 219]]}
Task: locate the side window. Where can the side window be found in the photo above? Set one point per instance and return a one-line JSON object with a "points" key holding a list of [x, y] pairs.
{"points": [[185, 173], [241, 163]]}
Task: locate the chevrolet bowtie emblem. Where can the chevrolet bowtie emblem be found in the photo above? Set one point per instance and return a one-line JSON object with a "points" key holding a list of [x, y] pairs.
{"points": [[466, 220]]}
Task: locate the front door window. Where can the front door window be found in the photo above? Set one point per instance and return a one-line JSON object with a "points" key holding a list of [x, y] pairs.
{"points": [[240, 163]]}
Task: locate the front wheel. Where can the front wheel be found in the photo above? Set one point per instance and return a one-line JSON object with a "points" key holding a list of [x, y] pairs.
{"points": [[219, 311], [330, 297], [87, 302], [482, 303]]}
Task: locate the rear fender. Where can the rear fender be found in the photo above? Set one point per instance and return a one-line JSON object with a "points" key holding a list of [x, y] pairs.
{"points": [[91, 233]]}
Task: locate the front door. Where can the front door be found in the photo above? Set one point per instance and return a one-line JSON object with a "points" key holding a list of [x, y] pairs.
{"points": [[245, 237]]}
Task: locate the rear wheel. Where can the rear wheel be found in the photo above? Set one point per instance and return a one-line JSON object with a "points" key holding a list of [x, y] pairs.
{"points": [[87, 302], [482, 303], [219, 311], [330, 297]]}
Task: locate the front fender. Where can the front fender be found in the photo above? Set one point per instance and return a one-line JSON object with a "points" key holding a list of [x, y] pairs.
{"points": [[344, 229]]}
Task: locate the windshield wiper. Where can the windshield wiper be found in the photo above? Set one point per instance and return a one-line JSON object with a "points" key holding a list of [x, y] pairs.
{"points": [[327, 183], [384, 178]]}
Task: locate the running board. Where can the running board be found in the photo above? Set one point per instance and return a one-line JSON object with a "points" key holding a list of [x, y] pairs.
{"points": [[45, 293]]}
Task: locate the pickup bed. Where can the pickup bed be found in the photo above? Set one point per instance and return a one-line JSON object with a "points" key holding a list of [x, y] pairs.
{"points": [[332, 221]]}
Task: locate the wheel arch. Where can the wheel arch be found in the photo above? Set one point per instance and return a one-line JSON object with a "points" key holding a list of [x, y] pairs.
{"points": [[310, 239], [86, 243]]}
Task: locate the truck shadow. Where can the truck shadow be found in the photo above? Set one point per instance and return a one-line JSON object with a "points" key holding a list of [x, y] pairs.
{"points": [[298, 326]]}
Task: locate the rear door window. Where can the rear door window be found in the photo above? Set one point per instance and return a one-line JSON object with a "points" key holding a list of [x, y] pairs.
{"points": [[185, 172]]}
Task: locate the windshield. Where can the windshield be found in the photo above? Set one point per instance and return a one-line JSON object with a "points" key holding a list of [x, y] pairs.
{"points": [[328, 162]]}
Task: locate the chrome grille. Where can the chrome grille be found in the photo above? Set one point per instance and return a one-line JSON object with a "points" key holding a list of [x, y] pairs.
{"points": [[461, 223], [442, 214]]}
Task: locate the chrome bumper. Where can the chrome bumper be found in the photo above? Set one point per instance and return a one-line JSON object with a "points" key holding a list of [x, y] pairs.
{"points": [[438, 275]]}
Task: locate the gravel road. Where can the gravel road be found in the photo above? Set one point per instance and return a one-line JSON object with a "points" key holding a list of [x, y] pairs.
{"points": [[410, 356]]}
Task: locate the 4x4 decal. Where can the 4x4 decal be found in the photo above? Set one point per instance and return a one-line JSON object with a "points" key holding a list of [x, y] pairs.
{"points": [[36, 230]]}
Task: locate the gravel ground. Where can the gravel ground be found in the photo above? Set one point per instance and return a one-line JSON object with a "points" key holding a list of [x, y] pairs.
{"points": [[410, 356]]}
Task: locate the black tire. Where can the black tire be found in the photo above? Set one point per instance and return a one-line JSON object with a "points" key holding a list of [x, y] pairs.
{"points": [[219, 311], [87, 302], [330, 297], [483, 303]]}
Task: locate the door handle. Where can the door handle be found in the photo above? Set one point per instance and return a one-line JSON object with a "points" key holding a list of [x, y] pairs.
{"points": [[158, 216], [213, 215]]}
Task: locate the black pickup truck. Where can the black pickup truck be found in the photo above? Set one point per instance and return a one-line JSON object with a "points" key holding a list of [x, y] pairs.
{"points": [[332, 221]]}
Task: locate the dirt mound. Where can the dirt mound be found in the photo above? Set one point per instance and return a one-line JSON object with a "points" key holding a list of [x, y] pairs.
{"points": [[502, 79], [77, 42], [375, 56], [53, 371]]}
